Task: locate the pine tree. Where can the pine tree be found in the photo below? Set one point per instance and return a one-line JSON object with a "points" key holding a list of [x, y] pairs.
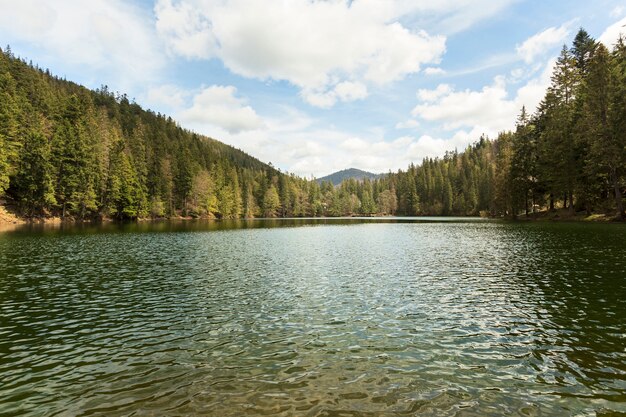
{"points": [[34, 182], [503, 203], [594, 131], [271, 202], [616, 145], [523, 163], [75, 189], [183, 179], [582, 50], [447, 198], [9, 113], [558, 134]]}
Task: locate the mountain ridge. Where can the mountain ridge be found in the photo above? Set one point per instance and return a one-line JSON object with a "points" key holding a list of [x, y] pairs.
{"points": [[338, 177]]}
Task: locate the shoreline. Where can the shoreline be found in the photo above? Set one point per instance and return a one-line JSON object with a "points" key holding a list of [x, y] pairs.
{"points": [[562, 215], [9, 220]]}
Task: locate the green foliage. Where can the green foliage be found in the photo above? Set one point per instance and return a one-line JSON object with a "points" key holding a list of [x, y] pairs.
{"points": [[573, 148], [271, 202], [9, 113], [34, 179], [4, 165], [69, 151]]}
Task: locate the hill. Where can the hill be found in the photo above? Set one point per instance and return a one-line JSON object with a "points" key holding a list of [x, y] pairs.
{"points": [[338, 177], [76, 153]]}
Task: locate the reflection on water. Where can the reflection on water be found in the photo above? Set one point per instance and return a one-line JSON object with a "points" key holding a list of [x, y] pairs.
{"points": [[350, 317]]}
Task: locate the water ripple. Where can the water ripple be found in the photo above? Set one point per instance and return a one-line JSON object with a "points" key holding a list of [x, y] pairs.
{"points": [[405, 318]]}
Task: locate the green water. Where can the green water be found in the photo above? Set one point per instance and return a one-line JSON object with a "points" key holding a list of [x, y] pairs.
{"points": [[314, 318]]}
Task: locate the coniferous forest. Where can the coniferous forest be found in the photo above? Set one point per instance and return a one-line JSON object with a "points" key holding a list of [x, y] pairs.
{"points": [[72, 152]]}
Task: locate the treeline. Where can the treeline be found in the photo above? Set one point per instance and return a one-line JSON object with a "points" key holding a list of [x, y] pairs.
{"points": [[72, 152], [569, 154]]}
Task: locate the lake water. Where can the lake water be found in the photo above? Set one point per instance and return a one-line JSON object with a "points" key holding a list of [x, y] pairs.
{"points": [[314, 318]]}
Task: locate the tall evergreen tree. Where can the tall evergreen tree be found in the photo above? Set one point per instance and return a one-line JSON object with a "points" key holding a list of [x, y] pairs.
{"points": [[271, 202], [34, 185], [9, 113], [615, 148], [582, 50]]}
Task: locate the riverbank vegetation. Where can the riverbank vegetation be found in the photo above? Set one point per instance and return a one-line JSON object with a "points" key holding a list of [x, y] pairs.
{"points": [[71, 152]]}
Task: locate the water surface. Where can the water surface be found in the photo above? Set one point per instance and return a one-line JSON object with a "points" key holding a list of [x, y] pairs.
{"points": [[360, 317]]}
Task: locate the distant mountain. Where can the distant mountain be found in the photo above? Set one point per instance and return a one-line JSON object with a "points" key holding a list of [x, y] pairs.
{"points": [[339, 176]]}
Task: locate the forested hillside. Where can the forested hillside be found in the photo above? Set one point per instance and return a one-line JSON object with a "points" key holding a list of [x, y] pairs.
{"points": [[72, 152], [570, 153], [76, 153]]}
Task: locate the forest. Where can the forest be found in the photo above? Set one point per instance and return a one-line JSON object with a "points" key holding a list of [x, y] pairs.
{"points": [[76, 153]]}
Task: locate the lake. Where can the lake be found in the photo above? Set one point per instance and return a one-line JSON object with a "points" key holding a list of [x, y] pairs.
{"points": [[321, 317]]}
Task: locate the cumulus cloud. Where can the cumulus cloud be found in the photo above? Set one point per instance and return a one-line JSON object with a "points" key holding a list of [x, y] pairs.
{"points": [[455, 109], [350, 91], [301, 145], [610, 36], [339, 150], [167, 96], [542, 42], [188, 33], [218, 106], [111, 40], [327, 49], [344, 91], [432, 95], [489, 109]]}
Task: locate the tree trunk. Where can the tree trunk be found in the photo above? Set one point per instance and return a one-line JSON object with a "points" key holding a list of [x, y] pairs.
{"points": [[571, 203], [551, 202], [526, 204], [618, 196]]}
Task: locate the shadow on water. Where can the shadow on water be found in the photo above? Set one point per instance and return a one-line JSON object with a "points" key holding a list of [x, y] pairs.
{"points": [[206, 225], [579, 270]]}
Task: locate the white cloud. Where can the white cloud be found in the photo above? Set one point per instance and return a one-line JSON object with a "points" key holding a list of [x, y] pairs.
{"points": [[434, 71], [613, 32], [617, 11], [323, 100], [296, 143], [330, 50], [168, 96], [432, 95], [450, 16], [344, 91], [217, 106], [111, 40], [542, 42], [408, 124], [489, 109], [350, 91], [188, 33]]}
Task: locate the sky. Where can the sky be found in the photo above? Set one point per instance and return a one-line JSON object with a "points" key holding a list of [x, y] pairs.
{"points": [[316, 86]]}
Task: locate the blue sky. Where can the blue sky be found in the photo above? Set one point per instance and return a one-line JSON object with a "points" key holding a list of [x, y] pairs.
{"points": [[316, 86]]}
